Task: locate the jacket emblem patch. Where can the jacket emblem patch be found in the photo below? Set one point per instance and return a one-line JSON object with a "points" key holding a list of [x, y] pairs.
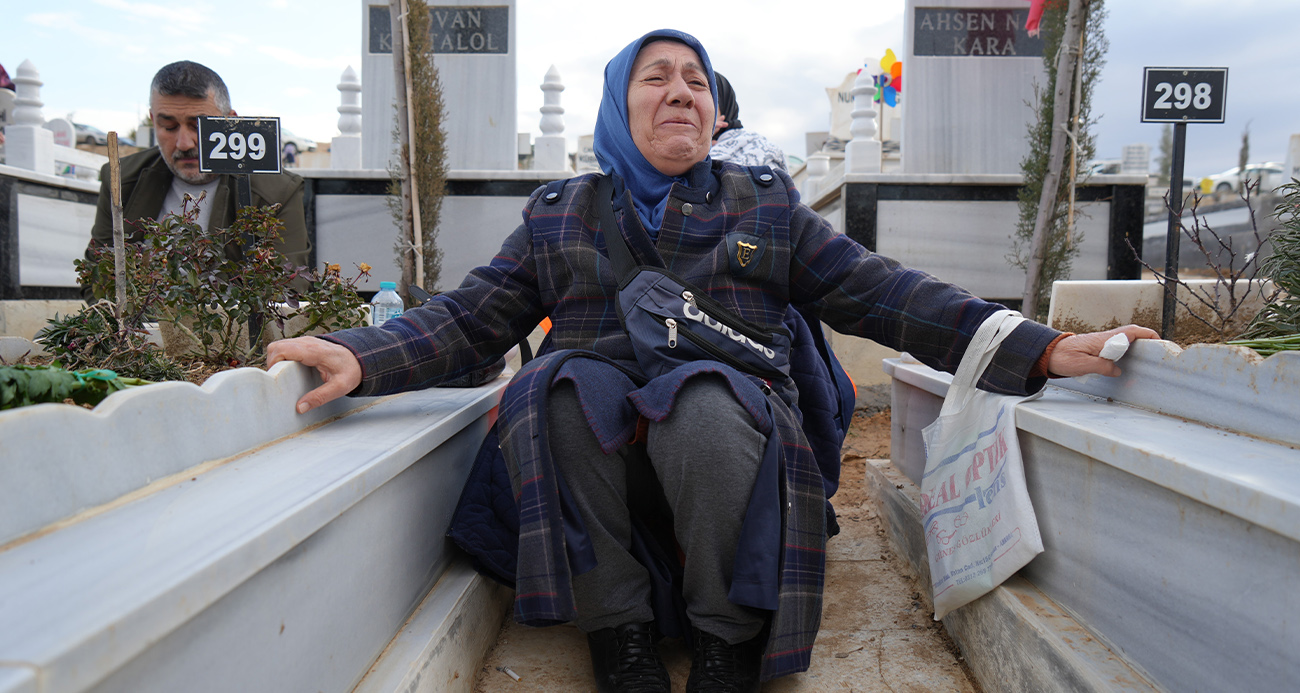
{"points": [[745, 252]]}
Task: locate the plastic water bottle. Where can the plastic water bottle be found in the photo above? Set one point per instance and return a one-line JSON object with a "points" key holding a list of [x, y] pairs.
{"points": [[386, 304]]}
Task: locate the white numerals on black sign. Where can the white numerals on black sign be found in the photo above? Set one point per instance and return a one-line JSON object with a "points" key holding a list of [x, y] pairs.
{"points": [[254, 147], [239, 145], [1184, 95]]}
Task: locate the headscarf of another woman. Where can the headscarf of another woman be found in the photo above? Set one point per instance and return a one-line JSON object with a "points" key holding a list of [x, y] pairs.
{"points": [[615, 150], [727, 106]]}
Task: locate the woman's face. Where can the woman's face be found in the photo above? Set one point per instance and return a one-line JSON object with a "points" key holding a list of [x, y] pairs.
{"points": [[669, 107]]}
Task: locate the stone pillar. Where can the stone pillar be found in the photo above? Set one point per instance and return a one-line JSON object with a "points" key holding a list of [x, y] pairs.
{"points": [[819, 165], [345, 150], [27, 143], [549, 151], [862, 155]]}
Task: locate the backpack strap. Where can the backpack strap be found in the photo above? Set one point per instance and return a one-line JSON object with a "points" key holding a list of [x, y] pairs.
{"points": [[619, 255]]}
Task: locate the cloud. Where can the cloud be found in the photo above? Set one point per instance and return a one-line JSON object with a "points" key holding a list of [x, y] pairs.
{"points": [[295, 59], [181, 14], [67, 23]]}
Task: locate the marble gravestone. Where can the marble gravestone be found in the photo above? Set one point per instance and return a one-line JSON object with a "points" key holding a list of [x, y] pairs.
{"points": [[65, 133], [971, 72], [474, 51]]}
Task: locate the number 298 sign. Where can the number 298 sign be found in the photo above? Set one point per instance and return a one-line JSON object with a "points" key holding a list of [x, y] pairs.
{"points": [[239, 145], [1184, 95]]}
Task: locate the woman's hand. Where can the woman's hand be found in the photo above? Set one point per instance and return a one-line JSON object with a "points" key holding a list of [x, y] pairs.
{"points": [[1080, 354], [336, 365]]}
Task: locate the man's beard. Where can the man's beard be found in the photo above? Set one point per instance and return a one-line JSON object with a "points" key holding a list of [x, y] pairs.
{"points": [[199, 178]]}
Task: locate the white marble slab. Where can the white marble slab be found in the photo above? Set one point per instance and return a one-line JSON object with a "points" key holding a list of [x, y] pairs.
{"points": [[16, 679], [1225, 386], [1235, 453], [966, 243], [51, 235], [288, 567], [48, 179], [450, 631], [1172, 540], [140, 436]]}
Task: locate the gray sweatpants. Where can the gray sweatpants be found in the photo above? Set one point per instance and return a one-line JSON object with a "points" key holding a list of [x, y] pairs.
{"points": [[706, 454]]}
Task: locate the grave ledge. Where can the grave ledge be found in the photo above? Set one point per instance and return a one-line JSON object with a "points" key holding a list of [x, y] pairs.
{"points": [[138, 594]]}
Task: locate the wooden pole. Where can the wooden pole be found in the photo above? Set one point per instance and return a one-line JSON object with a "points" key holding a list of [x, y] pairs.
{"points": [[417, 231], [1076, 107], [404, 137], [119, 240], [1065, 61]]}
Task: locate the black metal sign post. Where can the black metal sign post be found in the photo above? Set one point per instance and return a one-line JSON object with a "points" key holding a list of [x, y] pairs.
{"points": [[239, 147], [1180, 96]]}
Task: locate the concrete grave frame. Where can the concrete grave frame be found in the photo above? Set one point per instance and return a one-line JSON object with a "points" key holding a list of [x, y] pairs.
{"points": [[1169, 505], [210, 539]]}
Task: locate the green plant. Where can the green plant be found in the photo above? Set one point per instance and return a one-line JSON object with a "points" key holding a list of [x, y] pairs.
{"points": [[1276, 326], [21, 386], [428, 161], [1061, 240], [224, 289], [94, 338], [1165, 157]]}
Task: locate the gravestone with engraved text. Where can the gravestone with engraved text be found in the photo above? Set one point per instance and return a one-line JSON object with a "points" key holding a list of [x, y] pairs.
{"points": [[971, 68], [474, 51]]}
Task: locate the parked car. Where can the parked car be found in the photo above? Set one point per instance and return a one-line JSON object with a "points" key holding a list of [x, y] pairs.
{"points": [[89, 134], [301, 144], [1104, 166], [1268, 174]]}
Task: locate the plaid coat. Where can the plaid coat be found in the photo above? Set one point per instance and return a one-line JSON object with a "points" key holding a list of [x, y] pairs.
{"points": [[745, 239]]}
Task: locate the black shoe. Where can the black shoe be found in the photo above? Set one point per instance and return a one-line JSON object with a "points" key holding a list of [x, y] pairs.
{"points": [[723, 668], [625, 660]]}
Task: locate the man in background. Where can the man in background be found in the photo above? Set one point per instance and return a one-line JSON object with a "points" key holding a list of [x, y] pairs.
{"points": [[155, 182]]}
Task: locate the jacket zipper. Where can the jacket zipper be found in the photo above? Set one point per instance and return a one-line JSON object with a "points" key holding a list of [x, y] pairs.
{"points": [[712, 350]]}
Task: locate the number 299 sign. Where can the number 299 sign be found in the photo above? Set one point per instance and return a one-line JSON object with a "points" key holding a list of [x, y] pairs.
{"points": [[239, 145], [1184, 95]]}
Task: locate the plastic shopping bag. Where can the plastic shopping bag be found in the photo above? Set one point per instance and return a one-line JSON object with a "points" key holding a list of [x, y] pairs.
{"points": [[980, 527]]}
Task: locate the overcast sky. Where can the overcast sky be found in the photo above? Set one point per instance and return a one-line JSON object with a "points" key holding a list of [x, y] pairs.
{"points": [[284, 57]]}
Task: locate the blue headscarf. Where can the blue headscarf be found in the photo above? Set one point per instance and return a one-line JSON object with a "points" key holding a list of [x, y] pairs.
{"points": [[614, 148]]}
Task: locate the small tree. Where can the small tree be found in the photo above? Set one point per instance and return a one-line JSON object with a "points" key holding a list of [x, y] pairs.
{"points": [[1060, 243], [426, 158], [1165, 159], [1243, 157], [430, 162]]}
